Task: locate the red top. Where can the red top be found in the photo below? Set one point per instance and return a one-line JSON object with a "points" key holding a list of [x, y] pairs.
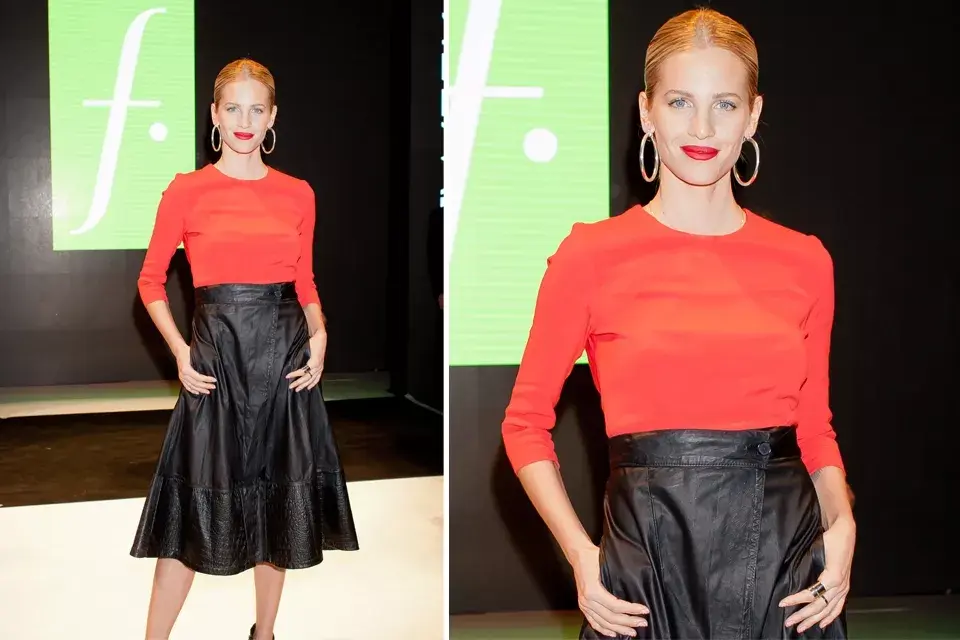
{"points": [[234, 231], [682, 331]]}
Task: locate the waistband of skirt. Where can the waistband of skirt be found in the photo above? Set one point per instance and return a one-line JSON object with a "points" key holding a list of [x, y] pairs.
{"points": [[236, 293], [752, 448]]}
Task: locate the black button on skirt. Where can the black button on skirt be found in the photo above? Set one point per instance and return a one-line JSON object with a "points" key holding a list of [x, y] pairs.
{"points": [[250, 473]]}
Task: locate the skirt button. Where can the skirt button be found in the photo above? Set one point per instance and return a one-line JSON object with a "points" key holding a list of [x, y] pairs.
{"points": [[764, 449]]}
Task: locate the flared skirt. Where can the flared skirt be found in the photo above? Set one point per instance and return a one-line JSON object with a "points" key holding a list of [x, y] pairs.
{"points": [[250, 473]]}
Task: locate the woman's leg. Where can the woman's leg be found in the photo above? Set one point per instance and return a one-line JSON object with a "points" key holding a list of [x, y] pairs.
{"points": [[171, 584], [268, 581]]}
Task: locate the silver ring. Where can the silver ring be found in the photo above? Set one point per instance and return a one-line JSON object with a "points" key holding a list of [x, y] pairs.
{"points": [[818, 590], [307, 369]]}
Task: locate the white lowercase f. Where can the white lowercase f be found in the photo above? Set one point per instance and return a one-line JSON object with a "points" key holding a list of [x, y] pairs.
{"points": [[117, 118]]}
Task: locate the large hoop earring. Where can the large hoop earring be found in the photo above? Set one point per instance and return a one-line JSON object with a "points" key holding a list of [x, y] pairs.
{"points": [[656, 158], [213, 133], [756, 165], [271, 130]]}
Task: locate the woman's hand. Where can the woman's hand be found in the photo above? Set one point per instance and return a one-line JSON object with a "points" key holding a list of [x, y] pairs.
{"points": [[838, 544], [604, 612], [309, 376], [193, 381]]}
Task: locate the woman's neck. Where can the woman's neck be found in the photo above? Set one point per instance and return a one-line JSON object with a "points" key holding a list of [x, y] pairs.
{"points": [[707, 210], [247, 166]]}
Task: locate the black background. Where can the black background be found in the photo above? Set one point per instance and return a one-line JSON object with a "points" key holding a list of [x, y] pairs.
{"points": [[856, 141], [358, 118]]}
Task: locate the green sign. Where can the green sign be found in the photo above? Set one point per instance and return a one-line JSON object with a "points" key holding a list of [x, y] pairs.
{"points": [[122, 116], [526, 154]]}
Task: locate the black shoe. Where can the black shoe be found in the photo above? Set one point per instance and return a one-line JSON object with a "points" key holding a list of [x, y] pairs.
{"points": [[253, 632]]}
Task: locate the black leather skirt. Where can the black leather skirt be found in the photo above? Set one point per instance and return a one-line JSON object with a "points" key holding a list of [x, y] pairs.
{"points": [[710, 530], [250, 473]]}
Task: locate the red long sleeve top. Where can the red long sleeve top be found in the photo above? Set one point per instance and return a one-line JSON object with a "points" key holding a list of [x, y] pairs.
{"points": [[682, 332], [234, 231]]}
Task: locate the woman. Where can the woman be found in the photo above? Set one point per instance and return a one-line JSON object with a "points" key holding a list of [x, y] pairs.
{"points": [[708, 333], [249, 474]]}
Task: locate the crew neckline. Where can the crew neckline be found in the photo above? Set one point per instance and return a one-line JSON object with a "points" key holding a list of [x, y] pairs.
{"points": [[215, 168], [747, 219]]}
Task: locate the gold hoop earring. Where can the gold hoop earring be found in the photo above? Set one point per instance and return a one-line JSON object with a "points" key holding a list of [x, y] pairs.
{"points": [[756, 165], [656, 158], [213, 132], [271, 130]]}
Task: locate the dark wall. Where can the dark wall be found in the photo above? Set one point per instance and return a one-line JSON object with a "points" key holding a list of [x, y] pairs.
{"points": [[415, 320], [852, 142], [425, 317], [75, 317]]}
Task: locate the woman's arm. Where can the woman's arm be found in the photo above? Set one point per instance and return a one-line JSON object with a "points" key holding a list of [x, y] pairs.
{"points": [[822, 458], [561, 323], [167, 235], [561, 326], [557, 338], [833, 494], [309, 376], [159, 311], [815, 433], [316, 321], [192, 380], [544, 485]]}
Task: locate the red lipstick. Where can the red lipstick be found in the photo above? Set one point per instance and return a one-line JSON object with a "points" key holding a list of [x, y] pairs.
{"points": [[242, 135], [700, 153]]}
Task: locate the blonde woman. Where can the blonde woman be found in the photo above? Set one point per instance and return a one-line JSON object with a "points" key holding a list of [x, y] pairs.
{"points": [[249, 475], [708, 333]]}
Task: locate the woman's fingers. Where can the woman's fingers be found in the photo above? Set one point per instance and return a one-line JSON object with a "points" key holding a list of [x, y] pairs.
{"points": [[198, 382], [306, 377]]}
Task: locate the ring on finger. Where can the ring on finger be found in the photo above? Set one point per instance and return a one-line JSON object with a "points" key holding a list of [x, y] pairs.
{"points": [[817, 590]]}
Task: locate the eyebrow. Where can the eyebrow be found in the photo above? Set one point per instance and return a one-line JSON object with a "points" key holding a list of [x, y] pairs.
{"points": [[237, 104], [716, 96]]}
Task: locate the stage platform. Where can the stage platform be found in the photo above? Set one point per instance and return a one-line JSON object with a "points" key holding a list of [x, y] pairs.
{"points": [[67, 574], [76, 462], [912, 618], [121, 397]]}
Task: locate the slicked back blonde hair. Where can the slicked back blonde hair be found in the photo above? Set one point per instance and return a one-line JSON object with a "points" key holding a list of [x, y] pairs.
{"points": [[696, 29], [244, 69]]}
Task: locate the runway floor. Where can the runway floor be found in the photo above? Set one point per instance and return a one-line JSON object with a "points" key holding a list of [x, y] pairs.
{"points": [[71, 488], [66, 574]]}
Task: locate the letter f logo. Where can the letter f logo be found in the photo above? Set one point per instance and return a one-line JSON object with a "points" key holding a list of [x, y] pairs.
{"points": [[117, 118]]}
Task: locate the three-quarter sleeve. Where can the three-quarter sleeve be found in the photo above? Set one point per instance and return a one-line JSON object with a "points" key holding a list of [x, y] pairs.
{"points": [[557, 338], [167, 235], [305, 284], [815, 433]]}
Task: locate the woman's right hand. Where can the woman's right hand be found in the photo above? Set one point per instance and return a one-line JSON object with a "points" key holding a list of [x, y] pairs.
{"points": [[604, 612], [194, 382]]}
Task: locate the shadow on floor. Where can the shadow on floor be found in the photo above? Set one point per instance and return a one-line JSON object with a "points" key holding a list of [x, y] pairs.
{"points": [[55, 459]]}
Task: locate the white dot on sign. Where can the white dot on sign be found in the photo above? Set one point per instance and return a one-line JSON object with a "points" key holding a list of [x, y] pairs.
{"points": [[540, 145], [158, 131]]}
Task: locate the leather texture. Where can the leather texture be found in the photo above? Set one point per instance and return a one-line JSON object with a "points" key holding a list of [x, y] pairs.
{"points": [[710, 530], [250, 473]]}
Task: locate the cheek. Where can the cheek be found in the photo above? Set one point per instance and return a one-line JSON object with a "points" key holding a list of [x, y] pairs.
{"points": [[733, 125], [261, 120]]}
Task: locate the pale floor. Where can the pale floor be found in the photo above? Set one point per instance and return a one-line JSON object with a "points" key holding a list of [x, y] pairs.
{"points": [[66, 574], [159, 395]]}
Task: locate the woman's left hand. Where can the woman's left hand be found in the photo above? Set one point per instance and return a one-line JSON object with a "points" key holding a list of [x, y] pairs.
{"points": [[308, 376], [838, 544]]}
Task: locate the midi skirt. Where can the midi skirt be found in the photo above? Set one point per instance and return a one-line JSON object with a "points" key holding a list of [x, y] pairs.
{"points": [[710, 530], [250, 473]]}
